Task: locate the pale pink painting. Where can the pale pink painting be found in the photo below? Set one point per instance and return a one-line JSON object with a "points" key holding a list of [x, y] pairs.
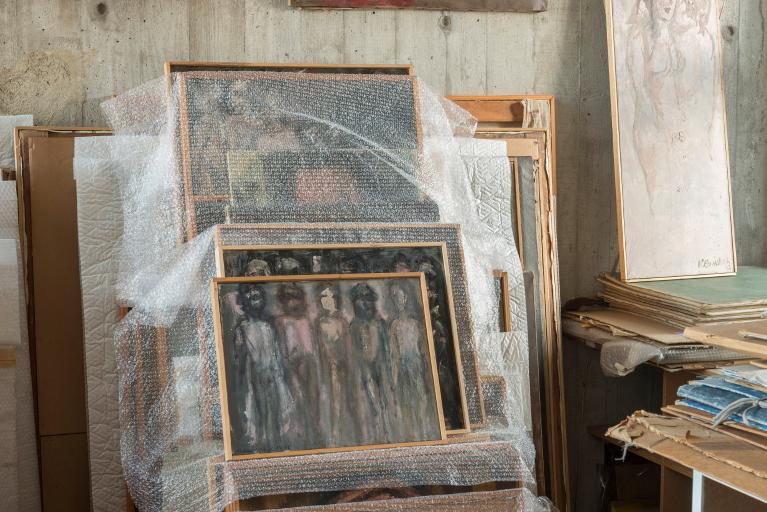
{"points": [[670, 138]]}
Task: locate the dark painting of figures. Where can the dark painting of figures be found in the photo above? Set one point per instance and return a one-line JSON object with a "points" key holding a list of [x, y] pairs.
{"points": [[313, 364], [429, 259]]}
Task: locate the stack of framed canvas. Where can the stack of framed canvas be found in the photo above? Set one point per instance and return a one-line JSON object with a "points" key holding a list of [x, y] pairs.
{"points": [[526, 126], [317, 306]]}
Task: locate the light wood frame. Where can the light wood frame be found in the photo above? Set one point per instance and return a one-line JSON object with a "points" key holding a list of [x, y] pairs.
{"points": [[229, 456], [182, 66], [187, 198], [504, 117], [376, 233], [528, 6], [608, 5], [220, 271]]}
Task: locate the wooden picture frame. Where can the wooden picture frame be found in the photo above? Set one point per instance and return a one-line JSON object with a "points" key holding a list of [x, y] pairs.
{"points": [[530, 6], [183, 66], [663, 153], [234, 236], [527, 124], [265, 281], [435, 255], [205, 201]]}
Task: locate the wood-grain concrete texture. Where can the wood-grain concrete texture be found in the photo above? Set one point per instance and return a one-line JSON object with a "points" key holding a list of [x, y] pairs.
{"points": [[60, 58]]}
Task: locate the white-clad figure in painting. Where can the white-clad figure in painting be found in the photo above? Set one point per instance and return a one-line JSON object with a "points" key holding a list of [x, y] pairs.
{"points": [[261, 373], [673, 153]]}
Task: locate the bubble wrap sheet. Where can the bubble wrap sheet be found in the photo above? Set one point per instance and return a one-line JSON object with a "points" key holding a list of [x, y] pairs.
{"points": [[99, 225], [212, 148]]}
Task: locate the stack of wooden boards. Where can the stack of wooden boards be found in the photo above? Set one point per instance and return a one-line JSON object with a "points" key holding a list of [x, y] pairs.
{"points": [[674, 350], [684, 322], [686, 302]]}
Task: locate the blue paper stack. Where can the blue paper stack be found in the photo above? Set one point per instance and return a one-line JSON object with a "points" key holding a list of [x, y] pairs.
{"points": [[726, 401]]}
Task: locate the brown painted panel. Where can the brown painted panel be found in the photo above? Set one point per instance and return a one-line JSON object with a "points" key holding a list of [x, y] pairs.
{"points": [[65, 483], [56, 303], [453, 5]]}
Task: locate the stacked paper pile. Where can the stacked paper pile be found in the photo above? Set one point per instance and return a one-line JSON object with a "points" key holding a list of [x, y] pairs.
{"points": [[686, 302], [662, 343], [733, 400]]}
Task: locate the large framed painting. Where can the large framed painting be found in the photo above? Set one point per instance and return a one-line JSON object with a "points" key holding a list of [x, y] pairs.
{"points": [[344, 248], [672, 172], [181, 66], [297, 147], [328, 362], [441, 5], [430, 258]]}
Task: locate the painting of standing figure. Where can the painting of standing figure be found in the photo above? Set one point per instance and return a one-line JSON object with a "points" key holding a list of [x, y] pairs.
{"points": [[670, 139], [316, 363]]}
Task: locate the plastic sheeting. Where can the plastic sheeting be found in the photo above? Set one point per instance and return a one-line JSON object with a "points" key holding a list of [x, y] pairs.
{"points": [[212, 148]]}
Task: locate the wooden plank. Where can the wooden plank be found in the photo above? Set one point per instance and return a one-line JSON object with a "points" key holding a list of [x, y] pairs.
{"points": [[456, 5], [185, 66], [747, 337], [712, 453], [509, 112], [671, 383]]}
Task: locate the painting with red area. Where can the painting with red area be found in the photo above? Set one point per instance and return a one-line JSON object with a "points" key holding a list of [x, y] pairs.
{"points": [[448, 5]]}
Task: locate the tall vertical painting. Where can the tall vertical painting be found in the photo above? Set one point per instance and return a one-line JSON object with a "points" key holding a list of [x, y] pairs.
{"points": [[670, 139]]}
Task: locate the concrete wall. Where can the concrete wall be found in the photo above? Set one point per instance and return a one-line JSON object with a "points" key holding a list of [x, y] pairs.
{"points": [[60, 58]]}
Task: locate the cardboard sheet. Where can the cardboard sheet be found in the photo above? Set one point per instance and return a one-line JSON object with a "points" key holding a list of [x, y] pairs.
{"points": [[635, 325], [56, 288], [731, 428], [741, 336], [714, 454], [748, 287]]}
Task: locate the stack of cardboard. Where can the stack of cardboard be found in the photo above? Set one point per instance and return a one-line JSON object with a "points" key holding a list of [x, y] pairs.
{"points": [[686, 302], [676, 351]]}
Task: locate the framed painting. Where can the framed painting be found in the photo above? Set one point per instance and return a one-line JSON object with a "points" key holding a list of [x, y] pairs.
{"points": [[323, 363], [366, 247], [525, 125], [253, 146], [672, 174], [429, 257], [441, 5], [180, 66]]}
